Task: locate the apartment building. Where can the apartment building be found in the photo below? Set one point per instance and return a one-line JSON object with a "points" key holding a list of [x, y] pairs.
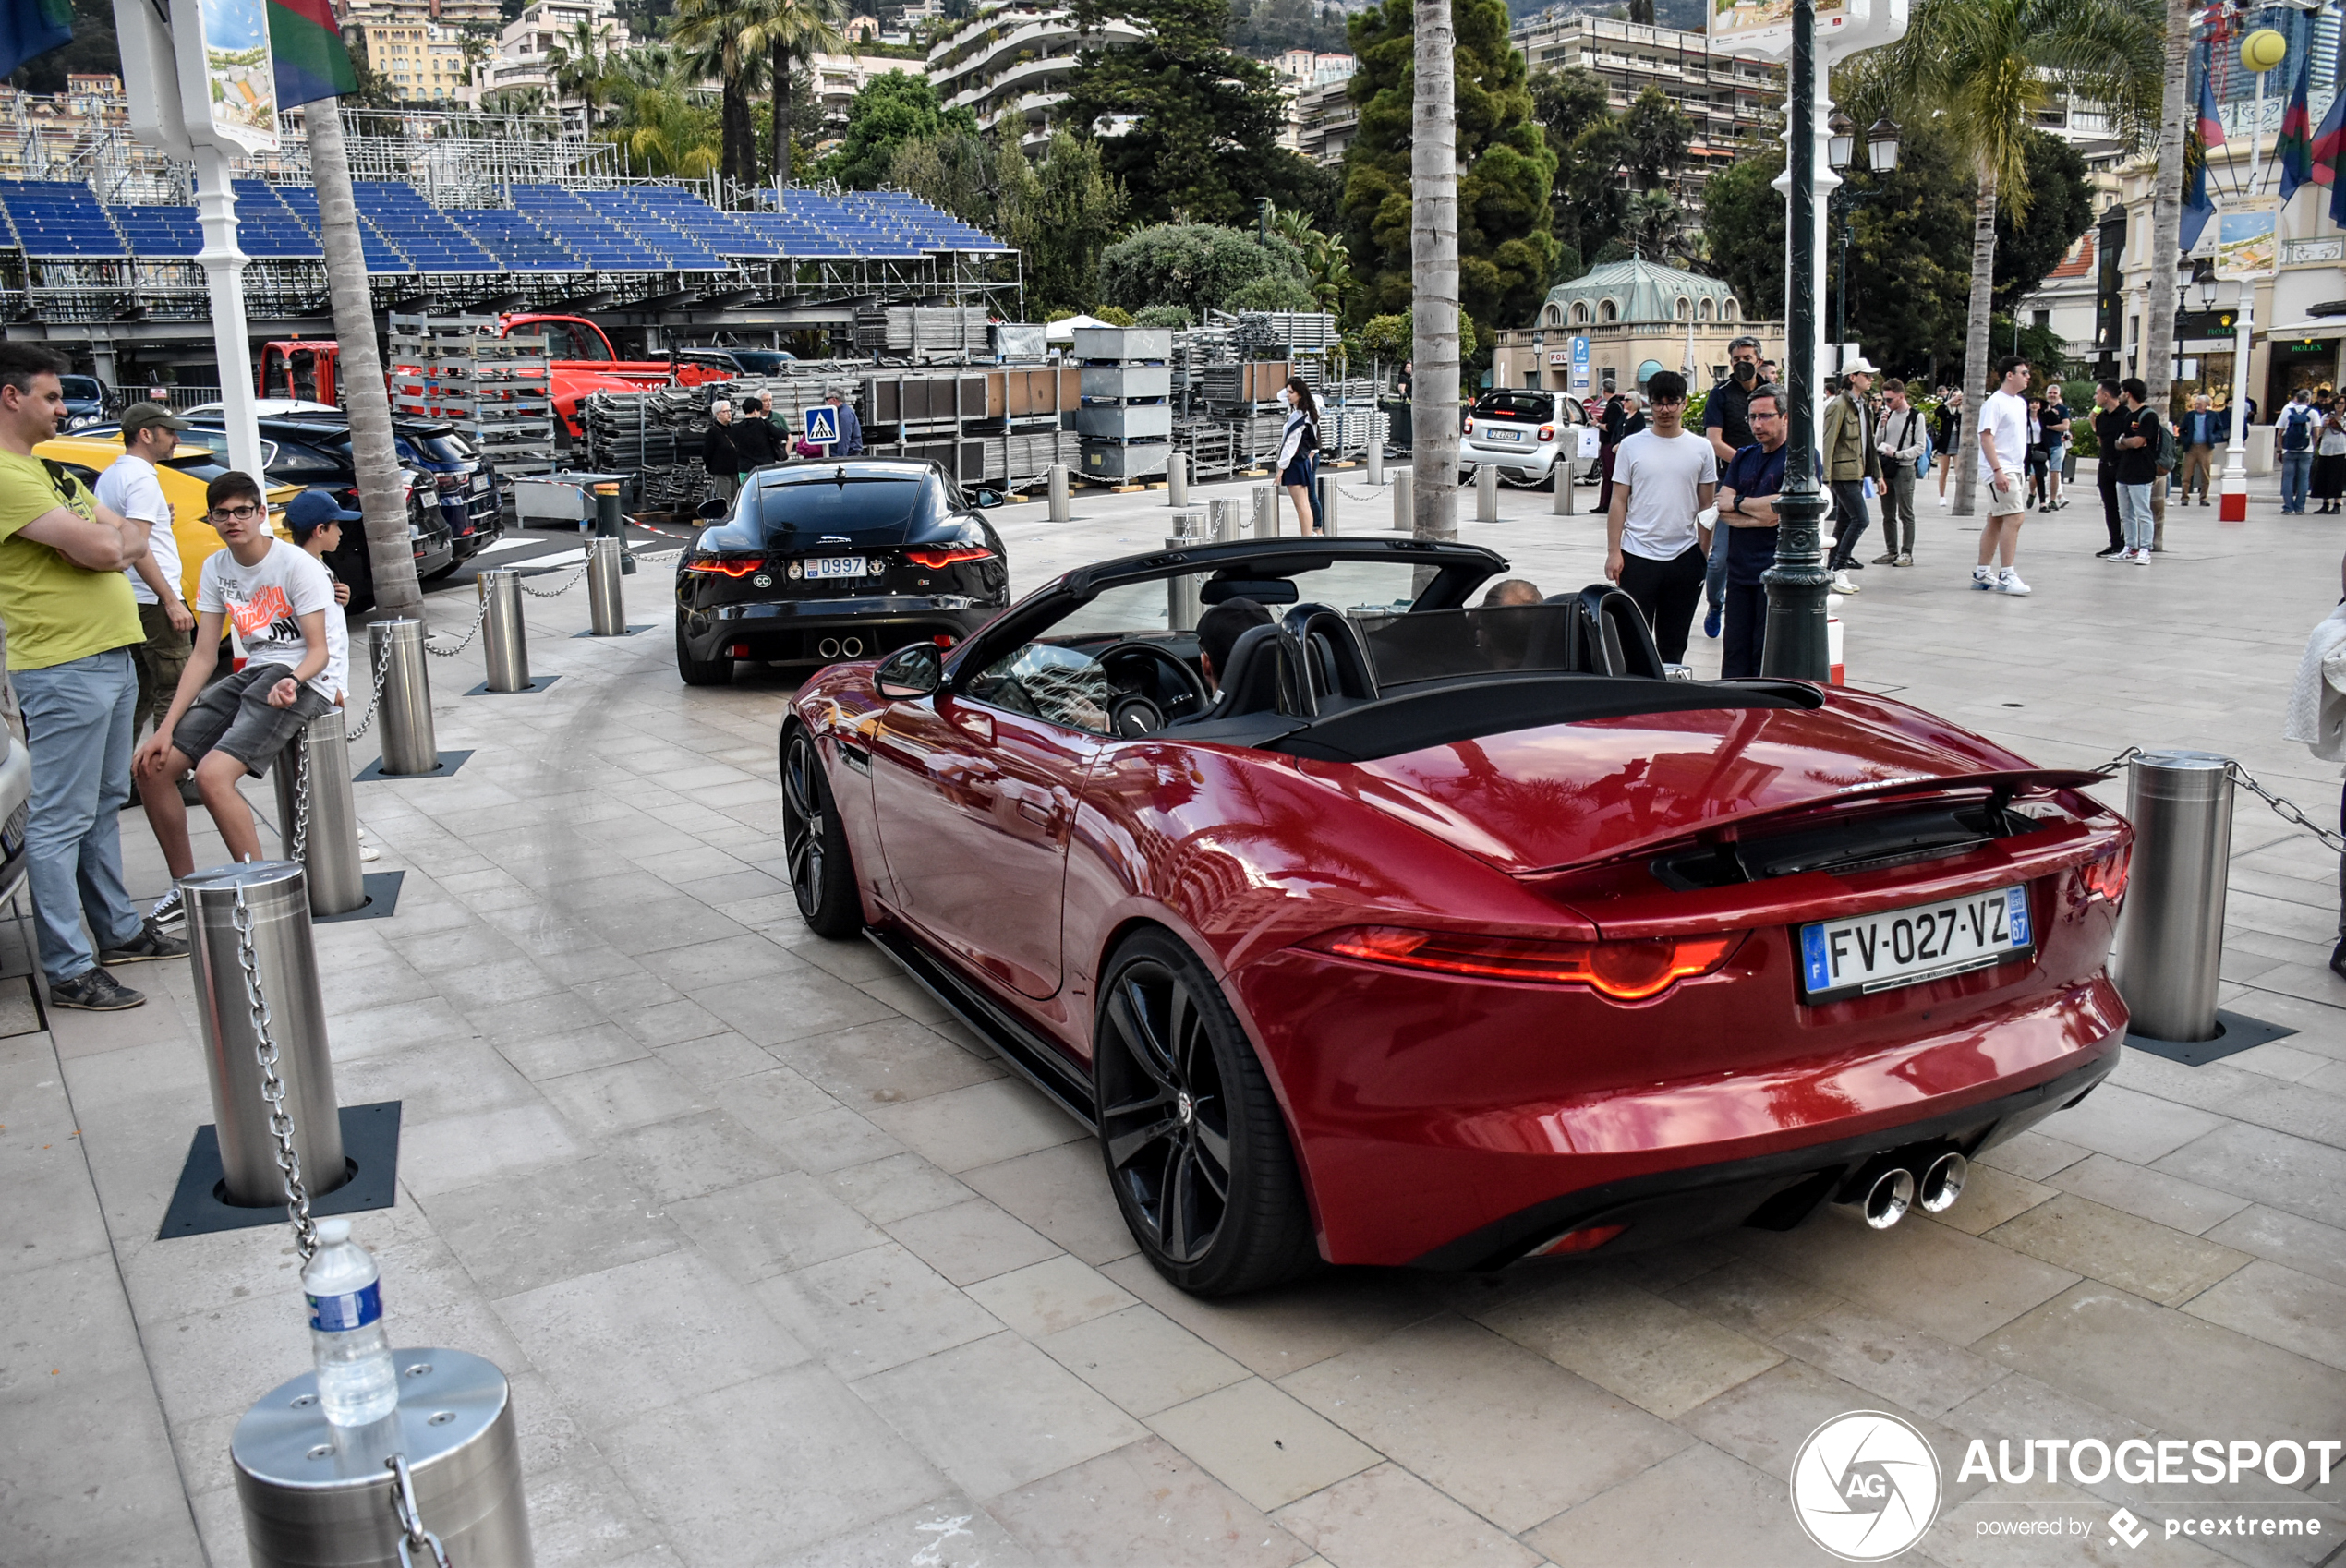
{"points": [[1009, 63]]}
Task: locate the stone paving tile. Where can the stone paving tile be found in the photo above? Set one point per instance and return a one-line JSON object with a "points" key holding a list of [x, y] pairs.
{"points": [[874, 1309], [1142, 1503], [970, 1241], [1043, 1299], [1697, 1506], [2148, 1194], [1142, 1359], [1387, 1518], [1062, 1191], [1628, 1340], [997, 1413], [2137, 1255], [1261, 1443], [2280, 1307], [1901, 1364]]}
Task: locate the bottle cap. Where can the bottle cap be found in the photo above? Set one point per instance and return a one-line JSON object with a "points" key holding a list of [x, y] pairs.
{"points": [[333, 1232]]}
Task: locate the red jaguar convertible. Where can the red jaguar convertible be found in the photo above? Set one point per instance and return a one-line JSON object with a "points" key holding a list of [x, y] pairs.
{"points": [[1422, 929]]}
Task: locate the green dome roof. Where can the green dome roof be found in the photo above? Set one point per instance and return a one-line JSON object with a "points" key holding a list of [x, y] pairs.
{"points": [[1642, 292]]}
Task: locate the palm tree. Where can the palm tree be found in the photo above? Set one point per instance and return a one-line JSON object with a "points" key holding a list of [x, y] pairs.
{"points": [[787, 28], [2167, 200], [664, 121], [479, 49], [716, 29], [1653, 219], [581, 68], [1433, 266], [380, 497], [1990, 66]]}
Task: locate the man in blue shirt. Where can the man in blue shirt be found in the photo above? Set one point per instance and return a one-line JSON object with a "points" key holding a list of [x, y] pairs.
{"points": [[2203, 429], [1747, 491], [851, 429]]}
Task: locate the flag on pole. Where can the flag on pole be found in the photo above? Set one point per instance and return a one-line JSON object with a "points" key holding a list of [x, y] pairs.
{"points": [[307, 50], [2209, 132], [32, 27], [2295, 149]]}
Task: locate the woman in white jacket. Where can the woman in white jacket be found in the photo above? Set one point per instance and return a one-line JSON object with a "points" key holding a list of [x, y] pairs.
{"points": [[1299, 453], [2318, 717]]}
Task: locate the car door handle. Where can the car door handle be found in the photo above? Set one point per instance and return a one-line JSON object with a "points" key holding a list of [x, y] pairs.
{"points": [[1037, 812]]}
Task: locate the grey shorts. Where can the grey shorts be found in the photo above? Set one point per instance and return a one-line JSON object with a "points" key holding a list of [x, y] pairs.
{"points": [[234, 715]]}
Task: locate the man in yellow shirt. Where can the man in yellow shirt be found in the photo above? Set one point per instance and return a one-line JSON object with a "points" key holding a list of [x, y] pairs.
{"points": [[72, 622]]}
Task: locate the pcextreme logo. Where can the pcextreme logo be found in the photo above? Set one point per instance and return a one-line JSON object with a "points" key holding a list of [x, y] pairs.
{"points": [[1865, 1486]]}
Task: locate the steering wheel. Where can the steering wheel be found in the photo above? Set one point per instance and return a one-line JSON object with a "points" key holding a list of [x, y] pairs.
{"points": [[1133, 716], [1185, 696]]}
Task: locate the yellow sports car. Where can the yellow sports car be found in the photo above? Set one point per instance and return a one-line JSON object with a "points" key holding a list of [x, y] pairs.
{"points": [[185, 474]]}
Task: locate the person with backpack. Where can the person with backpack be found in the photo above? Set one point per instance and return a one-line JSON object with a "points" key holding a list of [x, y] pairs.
{"points": [[1904, 445], [2300, 429], [2136, 469]]}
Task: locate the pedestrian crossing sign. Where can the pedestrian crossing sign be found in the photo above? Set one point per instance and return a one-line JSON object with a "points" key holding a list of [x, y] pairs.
{"points": [[822, 425]]}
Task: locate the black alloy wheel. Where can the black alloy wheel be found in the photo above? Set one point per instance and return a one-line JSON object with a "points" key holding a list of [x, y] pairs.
{"points": [[822, 870], [1196, 1149]]}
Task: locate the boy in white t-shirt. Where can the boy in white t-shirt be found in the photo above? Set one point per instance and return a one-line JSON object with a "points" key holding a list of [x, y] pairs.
{"points": [[2003, 443], [278, 598]]}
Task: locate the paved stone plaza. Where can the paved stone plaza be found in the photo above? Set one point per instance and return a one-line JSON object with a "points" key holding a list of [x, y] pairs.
{"points": [[785, 1270]]}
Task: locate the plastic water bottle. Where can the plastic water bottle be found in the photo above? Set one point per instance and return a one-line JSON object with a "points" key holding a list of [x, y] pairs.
{"points": [[357, 1383]]}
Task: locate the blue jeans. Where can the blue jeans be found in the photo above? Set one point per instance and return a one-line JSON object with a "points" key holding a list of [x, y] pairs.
{"points": [[2134, 515], [76, 721], [2296, 474]]}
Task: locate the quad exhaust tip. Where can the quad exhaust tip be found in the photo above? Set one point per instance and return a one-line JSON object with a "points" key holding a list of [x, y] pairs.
{"points": [[1942, 1183], [1891, 1194], [840, 648]]}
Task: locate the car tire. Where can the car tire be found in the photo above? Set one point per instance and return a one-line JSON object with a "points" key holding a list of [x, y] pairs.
{"points": [[443, 573], [1184, 1109], [821, 866], [700, 672]]}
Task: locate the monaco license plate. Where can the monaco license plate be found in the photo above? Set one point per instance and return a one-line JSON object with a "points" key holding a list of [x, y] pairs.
{"points": [[824, 566], [1881, 952]]}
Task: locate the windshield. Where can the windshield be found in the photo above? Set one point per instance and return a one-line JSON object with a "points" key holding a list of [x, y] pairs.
{"points": [[440, 446], [568, 340], [760, 361], [1537, 407], [846, 506], [81, 389]]}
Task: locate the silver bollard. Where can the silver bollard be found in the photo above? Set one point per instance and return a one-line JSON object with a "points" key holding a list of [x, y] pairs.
{"points": [[1222, 514], [1405, 506], [1267, 512], [1059, 510], [277, 903], [606, 598], [504, 643], [1177, 480], [315, 1496], [1376, 456], [1329, 501], [1486, 494], [330, 843], [1564, 486], [2171, 938], [404, 713], [1189, 527], [1182, 601]]}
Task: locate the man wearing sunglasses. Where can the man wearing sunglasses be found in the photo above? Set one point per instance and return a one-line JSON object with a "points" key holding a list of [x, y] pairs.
{"points": [[277, 595]]}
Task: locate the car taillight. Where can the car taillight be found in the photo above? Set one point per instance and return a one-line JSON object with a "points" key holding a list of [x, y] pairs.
{"points": [[1547, 432], [2105, 877], [451, 481], [1625, 972], [948, 555], [1469, 425], [1587, 1238], [725, 565]]}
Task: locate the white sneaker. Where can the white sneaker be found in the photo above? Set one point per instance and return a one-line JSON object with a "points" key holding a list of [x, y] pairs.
{"points": [[1945, 502], [1841, 584], [1982, 577], [2010, 583], [2140, 557], [369, 853]]}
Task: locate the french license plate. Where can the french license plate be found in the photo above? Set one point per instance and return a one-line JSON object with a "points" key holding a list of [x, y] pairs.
{"points": [[824, 566], [1881, 952]]}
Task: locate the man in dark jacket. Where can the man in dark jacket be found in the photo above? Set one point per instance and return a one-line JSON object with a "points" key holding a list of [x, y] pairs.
{"points": [[2110, 422], [754, 443], [718, 455]]}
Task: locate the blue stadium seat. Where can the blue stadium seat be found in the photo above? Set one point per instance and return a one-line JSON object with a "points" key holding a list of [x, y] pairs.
{"points": [[516, 241], [421, 231], [60, 220]]}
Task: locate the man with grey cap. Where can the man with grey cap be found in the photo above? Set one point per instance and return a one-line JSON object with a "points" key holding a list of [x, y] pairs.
{"points": [[1850, 460], [150, 434]]}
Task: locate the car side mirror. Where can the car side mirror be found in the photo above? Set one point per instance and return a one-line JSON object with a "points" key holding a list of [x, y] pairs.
{"points": [[909, 673], [985, 501], [712, 508]]}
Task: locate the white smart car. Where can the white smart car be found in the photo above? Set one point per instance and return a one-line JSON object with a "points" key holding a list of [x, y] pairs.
{"points": [[1522, 433]]}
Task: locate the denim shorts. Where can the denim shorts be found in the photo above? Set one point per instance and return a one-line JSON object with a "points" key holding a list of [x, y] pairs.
{"points": [[234, 715]]}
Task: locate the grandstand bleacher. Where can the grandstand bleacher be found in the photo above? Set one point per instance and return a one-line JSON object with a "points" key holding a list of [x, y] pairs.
{"points": [[419, 231], [59, 220]]}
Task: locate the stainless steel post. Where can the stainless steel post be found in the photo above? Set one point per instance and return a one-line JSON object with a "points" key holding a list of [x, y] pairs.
{"points": [[1222, 514], [2171, 937], [1177, 480], [606, 600], [277, 901], [315, 1496], [1564, 485], [504, 639], [1329, 500], [330, 842], [1376, 452], [1486, 494], [1405, 519], [1059, 510], [1267, 513], [403, 716], [1182, 603]]}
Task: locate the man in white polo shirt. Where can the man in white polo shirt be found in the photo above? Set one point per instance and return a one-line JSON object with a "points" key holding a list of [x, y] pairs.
{"points": [[2003, 444], [150, 434], [1656, 545]]}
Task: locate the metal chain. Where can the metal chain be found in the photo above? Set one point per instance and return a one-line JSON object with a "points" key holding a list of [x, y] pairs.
{"points": [[465, 641], [2288, 810], [2120, 760], [273, 1087], [1373, 493], [575, 578], [301, 798], [382, 669], [412, 1533]]}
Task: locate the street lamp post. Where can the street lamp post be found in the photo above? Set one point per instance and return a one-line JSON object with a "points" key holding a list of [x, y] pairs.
{"points": [[1796, 643], [1882, 156], [2232, 505]]}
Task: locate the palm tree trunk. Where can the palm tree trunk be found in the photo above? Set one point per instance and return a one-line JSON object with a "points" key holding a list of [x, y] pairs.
{"points": [[1977, 374], [365, 393], [1433, 263], [738, 142], [2167, 208], [781, 113]]}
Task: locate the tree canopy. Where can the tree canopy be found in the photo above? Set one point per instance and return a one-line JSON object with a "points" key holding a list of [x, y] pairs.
{"points": [[1200, 267], [1507, 246], [1595, 147], [887, 111], [1059, 212]]}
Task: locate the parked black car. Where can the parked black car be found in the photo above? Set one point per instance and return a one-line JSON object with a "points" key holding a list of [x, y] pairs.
{"points": [[814, 563], [86, 403]]}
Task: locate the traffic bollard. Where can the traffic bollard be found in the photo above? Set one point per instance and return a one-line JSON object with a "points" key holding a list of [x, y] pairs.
{"points": [[1222, 513], [2171, 938], [607, 511], [1267, 513], [1405, 517], [1329, 500], [1376, 456], [1563, 487], [1182, 601], [404, 708], [1177, 480], [1486, 494], [504, 639], [1059, 510], [606, 600], [314, 805], [276, 898], [318, 1496]]}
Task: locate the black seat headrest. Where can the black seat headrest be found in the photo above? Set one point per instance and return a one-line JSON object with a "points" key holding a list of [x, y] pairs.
{"points": [[1335, 658], [1265, 675], [1617, 635]]}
